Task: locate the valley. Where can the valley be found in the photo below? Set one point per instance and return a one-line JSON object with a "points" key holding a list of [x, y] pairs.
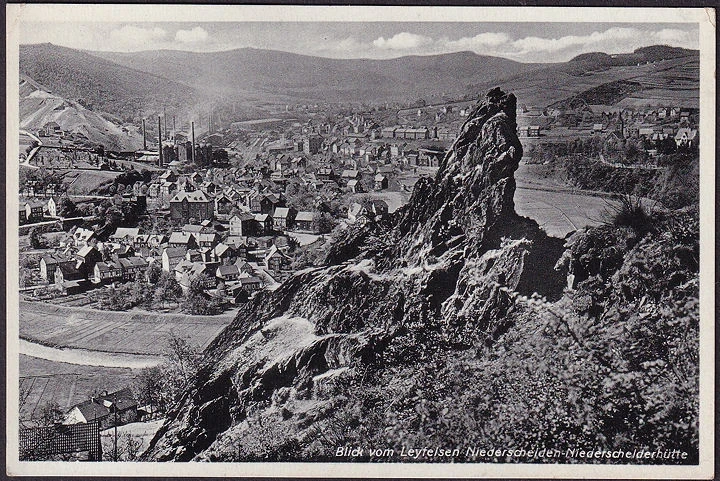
{"points": [[251, 247]]}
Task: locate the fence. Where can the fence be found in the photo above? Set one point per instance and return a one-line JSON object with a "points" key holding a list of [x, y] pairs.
{"points": [[44, 443]]}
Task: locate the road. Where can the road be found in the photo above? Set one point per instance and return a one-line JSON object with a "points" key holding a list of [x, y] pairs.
{"points": [[32, 153], [629, 166], [85, 357]]}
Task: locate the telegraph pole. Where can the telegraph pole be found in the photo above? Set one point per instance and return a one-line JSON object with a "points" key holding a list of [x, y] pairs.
{"points": [[115, 456]]}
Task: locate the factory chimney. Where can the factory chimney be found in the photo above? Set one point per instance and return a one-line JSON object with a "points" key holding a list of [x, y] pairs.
{"points": [[160, 145], [192, 127], [144, 136]]}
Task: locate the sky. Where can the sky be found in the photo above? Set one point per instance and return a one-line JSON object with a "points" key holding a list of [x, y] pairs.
{"points": [[526, 42]]}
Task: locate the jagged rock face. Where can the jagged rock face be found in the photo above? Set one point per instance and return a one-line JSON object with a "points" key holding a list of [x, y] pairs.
{"points": [[443, 264], [474, 186]]}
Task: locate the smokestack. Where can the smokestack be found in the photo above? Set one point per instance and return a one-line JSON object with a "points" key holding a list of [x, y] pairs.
{"points": [[174, 127], [192, 126], [165, 122], [160, 146], [144, 136]]}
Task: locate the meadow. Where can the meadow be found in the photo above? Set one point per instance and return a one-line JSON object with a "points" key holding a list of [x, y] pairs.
{"points": [[134, 332]]}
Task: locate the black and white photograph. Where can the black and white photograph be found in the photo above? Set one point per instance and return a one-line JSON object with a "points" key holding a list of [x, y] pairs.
{"points": [[360, 241]]}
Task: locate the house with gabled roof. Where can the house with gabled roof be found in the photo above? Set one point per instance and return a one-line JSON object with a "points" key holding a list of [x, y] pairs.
{"points": [[227, 273], [190, 205], [354, 186], [304, 220], [243, 224], [203, 239], [107, 272], [276, 260], [83, 236], [171, 257], [107, 409], [193, 229], [125, 234], [264, 222], [686, 137], [250, 284], [48, 264], [350, 174], [181, 239], [132, 266], [283, 218], [34, 210], [223, 253], [381, 182]]}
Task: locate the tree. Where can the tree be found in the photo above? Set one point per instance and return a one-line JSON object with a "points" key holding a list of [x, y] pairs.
{"points": [[50, 413], [113, 216], [67, 208], [201, 305], [153, 273], [30, 147], [167, 290], [35, 238], [140, 294], [198, 283], [323, 223], [148, 388]]}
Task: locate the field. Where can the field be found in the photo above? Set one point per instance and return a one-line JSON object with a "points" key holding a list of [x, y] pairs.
{"points": [[83, 182], [546, 86], [131, 332], [543, 195], [560, 213], [67, 384]]}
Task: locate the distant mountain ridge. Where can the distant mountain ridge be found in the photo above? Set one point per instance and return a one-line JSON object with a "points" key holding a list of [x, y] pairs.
{"points": [[100, 84], [653, 53], [250, 71], [142, 84]]}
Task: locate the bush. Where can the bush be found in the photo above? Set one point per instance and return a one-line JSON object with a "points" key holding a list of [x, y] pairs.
{"points": [[633, 214]]}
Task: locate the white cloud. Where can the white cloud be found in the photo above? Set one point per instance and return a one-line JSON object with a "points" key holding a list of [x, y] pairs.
{"points": [[129, 36], [197, 34], [593, 41], [481, 40], [676, 37], [402, 41]]}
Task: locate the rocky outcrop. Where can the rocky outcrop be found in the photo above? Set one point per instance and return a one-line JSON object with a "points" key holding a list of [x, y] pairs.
{"points": [[435, 275]]}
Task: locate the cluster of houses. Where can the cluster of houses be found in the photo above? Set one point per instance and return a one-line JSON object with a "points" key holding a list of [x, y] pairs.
{"points": [[651, 125], [239, 262], [35, 210]]}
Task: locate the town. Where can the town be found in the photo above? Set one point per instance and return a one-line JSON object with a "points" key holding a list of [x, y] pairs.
{"points": [[241, 209]]}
